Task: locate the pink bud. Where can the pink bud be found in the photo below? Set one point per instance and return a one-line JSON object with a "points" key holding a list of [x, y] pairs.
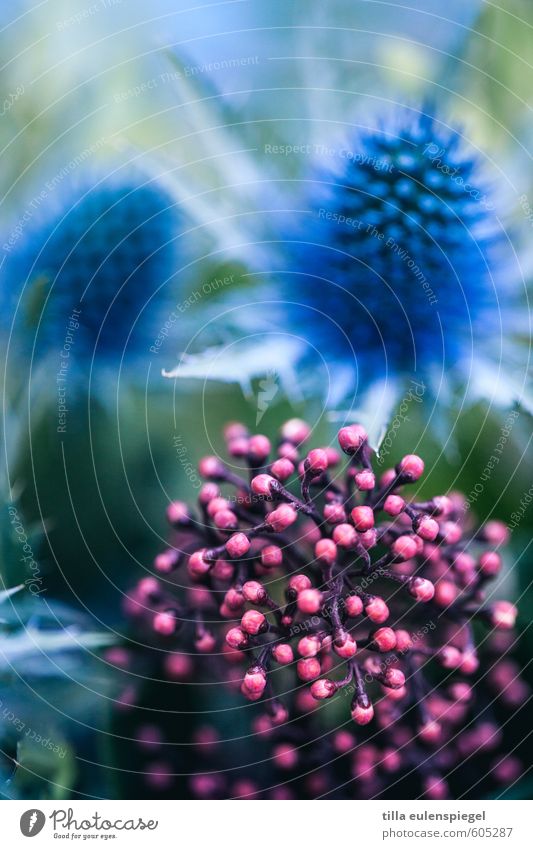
{"points": [[496, 533], [178, 666], [394, 678], [430, 732], [490, 564], [362, 715], [365, 480], [344, 535], [309, 601], [254, 592], [281, 518], [299, 583], [343, 742], [404, 547], [376, 610], [217, 504], [236, 638], [435, 788], [421, 589], [323, 689], [326, 551], [470, 663], [503, 615], [178, 513], [427, 528], [235, 430], [283, 653], [411, 467], [353, 605], [296, 431], [316, 461], [445, 593], [271, 556], [198, 565], [351, 438], [334, 513], [282, 469], [166, 561], [205, 642], [208, 492], [253, 622], [309, 646], [450, 657], [308, 668], [258, 448], [368, 539], [285, 756], [347, 649], [384, 639], [262, 485], [363, 518], [165, 623], [255, 680], [212, 467], [404, 640], [234, 599], [238, 545], [393, 505], [225, 520]]}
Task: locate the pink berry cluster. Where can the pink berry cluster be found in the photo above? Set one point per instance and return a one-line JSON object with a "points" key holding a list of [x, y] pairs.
{"points": [[304, 579]]}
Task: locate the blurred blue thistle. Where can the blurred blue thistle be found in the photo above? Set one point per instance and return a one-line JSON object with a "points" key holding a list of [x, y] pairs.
{"points": [[99, 268], [394, 265]]}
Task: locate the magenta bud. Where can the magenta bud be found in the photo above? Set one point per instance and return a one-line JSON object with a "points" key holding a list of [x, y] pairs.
{"points": [[316, 461], [238, 545], [326, 551], [363, 518], [308, 668], [323, 689], [295, 431], [351, 438], [262, 485], [254, 592], [410, 467], [376, 610], [309, 601], [258, 448], [253, 622], [212, 468], [384, 639], [393, 505], [365, 480], [283, 653], [404, 547], [427, 528], [236, 638], [345, 535], [271, 556], [421, 589], [281, 518]]}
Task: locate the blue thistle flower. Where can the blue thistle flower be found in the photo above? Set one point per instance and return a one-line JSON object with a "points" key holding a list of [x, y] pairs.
{"points": [[393, 266], [397, 261], [101, 266]]}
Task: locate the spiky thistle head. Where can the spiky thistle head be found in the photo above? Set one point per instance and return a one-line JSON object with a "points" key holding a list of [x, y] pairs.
{"points": [[397, 260], [107, 255]]}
